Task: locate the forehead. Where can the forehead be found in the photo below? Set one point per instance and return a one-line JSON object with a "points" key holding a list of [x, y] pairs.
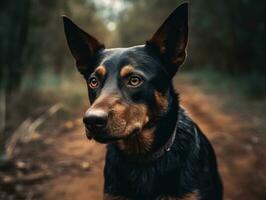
{"points": [[133, 58]]}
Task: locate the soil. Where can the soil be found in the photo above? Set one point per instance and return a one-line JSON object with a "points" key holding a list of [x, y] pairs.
{"points": [[61, 164]]}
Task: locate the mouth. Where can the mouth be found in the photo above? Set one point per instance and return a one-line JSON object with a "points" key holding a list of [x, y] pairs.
{"points": [[105, 138]]}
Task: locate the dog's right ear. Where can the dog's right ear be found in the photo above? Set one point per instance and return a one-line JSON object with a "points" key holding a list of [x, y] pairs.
{"points": [[82, 45], [170, 40]]}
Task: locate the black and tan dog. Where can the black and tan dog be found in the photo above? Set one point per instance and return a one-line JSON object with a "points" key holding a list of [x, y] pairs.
{"points": [[155, 151]]}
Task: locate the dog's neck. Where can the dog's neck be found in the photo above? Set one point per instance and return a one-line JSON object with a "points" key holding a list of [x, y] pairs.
{"points": [[153, 138]]}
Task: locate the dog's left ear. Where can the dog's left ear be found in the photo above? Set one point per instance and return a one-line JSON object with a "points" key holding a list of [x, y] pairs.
{"points": [[170, 40], [82, 45]]}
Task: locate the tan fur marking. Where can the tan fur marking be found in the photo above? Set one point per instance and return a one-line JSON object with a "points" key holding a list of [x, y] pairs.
{"points": [[143, 141], [105, 102], [189, 196], [126, 70], [180, 58], [101, 70], [123, 120], [110, 197], [161, 101], [117, 121], [140, 144]]}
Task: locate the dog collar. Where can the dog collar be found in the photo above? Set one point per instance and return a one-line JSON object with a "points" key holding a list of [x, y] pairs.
{"points": [[160, 152]]}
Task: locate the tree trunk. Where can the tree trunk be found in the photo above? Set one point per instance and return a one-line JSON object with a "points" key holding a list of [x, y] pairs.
{"points": [[14, 21]]}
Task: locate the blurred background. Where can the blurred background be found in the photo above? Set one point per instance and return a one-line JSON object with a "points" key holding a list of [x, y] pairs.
{"points": [[42, 96]]}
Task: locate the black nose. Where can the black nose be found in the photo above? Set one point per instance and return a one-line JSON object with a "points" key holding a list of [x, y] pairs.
{"points": [[95, 120]]}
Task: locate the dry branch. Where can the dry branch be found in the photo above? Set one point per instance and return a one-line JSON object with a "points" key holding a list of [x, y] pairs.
{"points": [[27, 128]]}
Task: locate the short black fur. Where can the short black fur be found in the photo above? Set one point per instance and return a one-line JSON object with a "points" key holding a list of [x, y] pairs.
{"points": [[189, 168]]}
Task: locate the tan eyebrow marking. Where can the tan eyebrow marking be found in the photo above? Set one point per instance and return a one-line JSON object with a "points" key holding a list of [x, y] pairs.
{"points": [[126, 70], [101, 70]]}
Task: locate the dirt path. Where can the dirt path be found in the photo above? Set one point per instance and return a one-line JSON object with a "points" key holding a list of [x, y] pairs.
{"points": [[239, 146], [82, 176], [76, 165]]}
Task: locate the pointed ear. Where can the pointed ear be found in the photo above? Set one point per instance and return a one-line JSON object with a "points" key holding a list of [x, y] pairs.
{"points": [[82, 45], [170, 40]]}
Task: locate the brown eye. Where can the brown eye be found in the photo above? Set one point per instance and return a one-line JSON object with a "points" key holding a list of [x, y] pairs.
{"points": [[134, 81], [93, 82]]}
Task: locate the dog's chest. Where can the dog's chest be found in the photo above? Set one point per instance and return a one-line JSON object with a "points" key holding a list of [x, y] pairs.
{"points": [[144, 180]]}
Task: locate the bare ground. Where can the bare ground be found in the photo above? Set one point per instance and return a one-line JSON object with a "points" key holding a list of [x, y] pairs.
{"points": [[60, 164]]}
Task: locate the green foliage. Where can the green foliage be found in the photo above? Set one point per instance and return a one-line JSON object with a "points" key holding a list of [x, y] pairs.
{"points": [[47, 46], [142, 19], [34, 55], [37, 41], [58, 88], [229, 35], [251, 86], [227, 43]]}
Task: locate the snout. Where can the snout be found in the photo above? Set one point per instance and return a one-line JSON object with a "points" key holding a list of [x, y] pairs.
{"points": [[95, 120], [110, 120]]}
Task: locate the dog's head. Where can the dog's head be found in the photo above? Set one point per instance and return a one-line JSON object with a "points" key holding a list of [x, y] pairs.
{"points": [[128, 87]]}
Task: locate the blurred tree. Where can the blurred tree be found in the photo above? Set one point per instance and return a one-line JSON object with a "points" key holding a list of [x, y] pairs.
{"points": [[141, 20], [47, 47], [14, 21], [32, 41], [227, 35]]}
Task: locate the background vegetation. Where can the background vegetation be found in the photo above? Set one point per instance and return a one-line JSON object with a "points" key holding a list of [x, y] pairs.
{"points": [[226, 37], [226, 53]]}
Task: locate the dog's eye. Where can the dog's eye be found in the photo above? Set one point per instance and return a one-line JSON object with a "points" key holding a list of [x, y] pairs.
{"points": [[134, 81], [93, 82]]}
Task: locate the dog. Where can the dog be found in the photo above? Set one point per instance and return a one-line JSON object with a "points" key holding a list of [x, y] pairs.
{"points": [[155, 151]]}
